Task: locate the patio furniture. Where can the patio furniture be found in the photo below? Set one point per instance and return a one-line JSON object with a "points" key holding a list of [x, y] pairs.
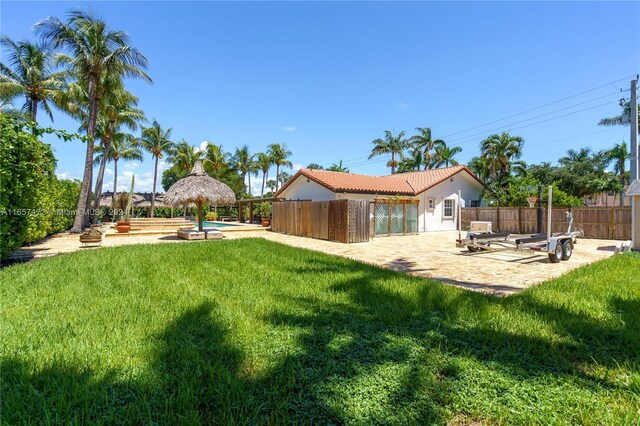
{"points": [[191, 234]]}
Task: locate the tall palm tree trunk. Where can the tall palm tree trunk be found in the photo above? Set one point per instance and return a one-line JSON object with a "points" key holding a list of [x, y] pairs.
{"points": [[34, 109], [264, 179], [393, 162], [249, 186], [85, 189], [277, 176], [100, 178], [153, 194], [115, 187]]}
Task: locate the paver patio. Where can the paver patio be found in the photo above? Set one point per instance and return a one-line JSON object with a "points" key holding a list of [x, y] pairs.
{"points": [[429, 255]]}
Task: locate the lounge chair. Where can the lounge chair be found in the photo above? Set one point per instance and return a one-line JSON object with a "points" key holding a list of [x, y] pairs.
{"points": [[214, 234]]}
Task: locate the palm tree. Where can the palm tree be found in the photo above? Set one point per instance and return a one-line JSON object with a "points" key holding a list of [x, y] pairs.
{"points": [[500, 150], [264, 163], [413, 162], [619, 155], [123, 146], [272, 185], [445, 156], [280, 155], [184, 156], [215, 159], [423, 142], [622, 119], [157, 141], [242, 162], [481, 167], [118, 110], [338, 168], [95, 53], [28, 73], [394, 145]]}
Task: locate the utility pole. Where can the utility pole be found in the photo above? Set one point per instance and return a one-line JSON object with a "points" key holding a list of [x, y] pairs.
{"points": [[633, 123]]}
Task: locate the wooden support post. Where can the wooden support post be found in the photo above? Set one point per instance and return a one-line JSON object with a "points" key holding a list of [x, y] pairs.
{"points": [[250, 211], [240, 212], [498, 219]]}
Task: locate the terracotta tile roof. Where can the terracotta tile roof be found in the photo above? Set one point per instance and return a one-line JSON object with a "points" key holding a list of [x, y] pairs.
{"points": [[410, 183]]}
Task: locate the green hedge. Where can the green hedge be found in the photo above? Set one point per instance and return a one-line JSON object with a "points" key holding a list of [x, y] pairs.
{"points": [[33, 202]]}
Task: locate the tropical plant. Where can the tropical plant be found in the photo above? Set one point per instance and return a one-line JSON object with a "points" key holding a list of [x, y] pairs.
{"points": [[264, 163], [338, 168], [413, 162], [280, 155], [156, 141], [619, 155], [184, 156], [394, 145], [314, 166], [29, 72], [243, 162], [96, 54], [424, 143], [123, 146], [118, 109], [272, 185], [264, 209], [582, 173], [445, 155], [215, 159], [621, 120], [500, 150]]}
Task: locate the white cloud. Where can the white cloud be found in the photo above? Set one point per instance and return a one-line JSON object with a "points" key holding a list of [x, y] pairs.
{"points": [[108, 171], [132, 165], [203, 146], [297, 167], [64, 175], [402, 105], [288, 128]]}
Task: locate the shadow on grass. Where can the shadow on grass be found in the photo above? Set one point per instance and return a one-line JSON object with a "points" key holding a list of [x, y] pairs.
{"points": [[379, 356]]}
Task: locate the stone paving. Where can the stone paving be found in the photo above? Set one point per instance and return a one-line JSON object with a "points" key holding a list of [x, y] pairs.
{"points": [[429, 255]]}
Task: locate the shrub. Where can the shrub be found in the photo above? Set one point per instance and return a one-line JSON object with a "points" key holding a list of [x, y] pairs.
{"points": [[212, 216], [33, 202]]}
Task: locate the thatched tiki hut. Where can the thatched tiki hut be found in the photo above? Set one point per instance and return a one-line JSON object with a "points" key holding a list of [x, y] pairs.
{"points": [[199, 188]]}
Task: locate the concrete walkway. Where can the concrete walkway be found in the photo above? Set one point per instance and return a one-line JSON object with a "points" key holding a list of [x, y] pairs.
{"points": [[429, 255]]}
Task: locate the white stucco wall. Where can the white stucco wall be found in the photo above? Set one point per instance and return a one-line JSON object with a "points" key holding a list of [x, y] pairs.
{"points": [[305, 189], [435, 220]]}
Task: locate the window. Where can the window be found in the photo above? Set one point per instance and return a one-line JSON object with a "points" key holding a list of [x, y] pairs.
{"points": [[475, 203], [448, 208], [431, 204]]}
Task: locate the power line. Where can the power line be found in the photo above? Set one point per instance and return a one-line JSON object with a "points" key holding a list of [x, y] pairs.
{"points": [[537, 108], [486, 132]]}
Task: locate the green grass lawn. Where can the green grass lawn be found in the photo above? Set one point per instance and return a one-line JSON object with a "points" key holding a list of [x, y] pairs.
{"points": [[253, 332]]}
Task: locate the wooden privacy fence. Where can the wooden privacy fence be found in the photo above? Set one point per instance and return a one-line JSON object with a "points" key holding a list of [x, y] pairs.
{"points": [[595, 222], [345, 221]]}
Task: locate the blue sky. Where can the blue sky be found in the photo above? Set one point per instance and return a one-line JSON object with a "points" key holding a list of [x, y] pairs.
{"points": [[328, 78]]}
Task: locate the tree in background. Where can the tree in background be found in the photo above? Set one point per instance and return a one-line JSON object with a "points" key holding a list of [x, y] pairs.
{"points": [[95, 53], [264, 163], [272, 185], [215, 159], [183, 156], [280, 156], [445, 155], [243, 162], [413, 162], [500, 150], [123, 146], [314, 166], [158, 142], [394, 145], [621, 120], [338, 168], [619, 155], [119, 109], [29, 72], [426, 145]]}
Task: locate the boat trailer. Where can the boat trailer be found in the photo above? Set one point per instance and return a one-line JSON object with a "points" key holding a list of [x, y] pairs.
{"points": [[558, 246]]}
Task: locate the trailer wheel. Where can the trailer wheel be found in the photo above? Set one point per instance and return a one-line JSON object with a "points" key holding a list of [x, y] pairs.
{"points": [[567, 249], [556, 256], [472, 249]]}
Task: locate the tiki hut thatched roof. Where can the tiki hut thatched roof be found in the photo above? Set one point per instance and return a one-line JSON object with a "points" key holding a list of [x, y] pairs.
{"points": [[199, 187], [140, 199]]}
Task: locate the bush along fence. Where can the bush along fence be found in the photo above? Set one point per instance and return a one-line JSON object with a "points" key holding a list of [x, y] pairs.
{"points": [[345, 221], [596, 222]]}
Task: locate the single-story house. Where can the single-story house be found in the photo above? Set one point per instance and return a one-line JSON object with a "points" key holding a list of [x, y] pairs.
{"points": [[435, 191]]}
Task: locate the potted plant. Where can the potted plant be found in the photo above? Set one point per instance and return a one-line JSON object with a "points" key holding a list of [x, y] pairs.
{"points": [[212, 216], [265, 213], [91, 236], [124, 204]]}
